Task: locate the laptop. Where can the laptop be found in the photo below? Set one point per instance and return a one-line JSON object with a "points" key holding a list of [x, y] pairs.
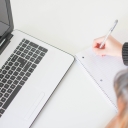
{"points": [[30, 71]]}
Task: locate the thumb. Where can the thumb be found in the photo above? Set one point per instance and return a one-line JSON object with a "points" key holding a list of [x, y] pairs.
{"points": [[99, 51]]}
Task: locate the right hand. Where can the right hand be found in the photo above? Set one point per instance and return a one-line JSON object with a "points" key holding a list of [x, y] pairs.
{"points": [[112, 47]]}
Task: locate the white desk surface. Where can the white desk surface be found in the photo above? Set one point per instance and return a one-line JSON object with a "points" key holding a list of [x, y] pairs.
{"points": [[71, 25]]}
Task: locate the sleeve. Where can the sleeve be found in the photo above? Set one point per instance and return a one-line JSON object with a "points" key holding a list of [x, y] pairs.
{"points": [[125, 53]]}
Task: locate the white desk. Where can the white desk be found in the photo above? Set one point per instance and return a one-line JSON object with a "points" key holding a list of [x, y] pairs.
{"points": [[71, 25]]}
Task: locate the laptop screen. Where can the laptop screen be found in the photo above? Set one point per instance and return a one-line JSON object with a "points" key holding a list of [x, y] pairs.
{"points": [[4, 21]]}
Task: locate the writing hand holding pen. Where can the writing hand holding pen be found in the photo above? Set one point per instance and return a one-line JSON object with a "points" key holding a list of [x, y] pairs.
{"points": [[111, 47], [107, 45]]}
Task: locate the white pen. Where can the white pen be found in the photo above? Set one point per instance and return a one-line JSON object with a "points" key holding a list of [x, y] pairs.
{"points": [[109, 32]]}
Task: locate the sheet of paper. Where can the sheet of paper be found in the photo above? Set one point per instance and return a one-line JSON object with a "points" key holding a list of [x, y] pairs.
{"points": [[102, 70]]}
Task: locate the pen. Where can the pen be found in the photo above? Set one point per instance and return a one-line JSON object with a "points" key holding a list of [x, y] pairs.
{"points": [[109, 32]]}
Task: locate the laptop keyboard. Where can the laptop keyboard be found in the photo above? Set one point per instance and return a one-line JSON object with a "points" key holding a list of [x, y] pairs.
{"points": [[17, 69]]}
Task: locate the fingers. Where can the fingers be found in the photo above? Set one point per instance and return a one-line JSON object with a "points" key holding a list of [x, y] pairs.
{"points": [[97, 42], [101, 52], [96, 45]]}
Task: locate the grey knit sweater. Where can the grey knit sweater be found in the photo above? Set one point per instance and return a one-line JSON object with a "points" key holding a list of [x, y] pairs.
{"points": [[125, 53]]}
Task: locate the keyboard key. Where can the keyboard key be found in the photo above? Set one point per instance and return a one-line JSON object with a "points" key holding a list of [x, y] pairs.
{"points": [[31, 70], [12, 77], [12, 55], [3, 90], [4, 71], [15, 51], [9, 82], [37, 51], [33, 49], [24, 45], [30, 53], [25, 78], [35, 55], [10, 72], [28, 74], [1, 111], [39, 58], [21, 73], [12, 86], [9, 90], [3, 67], [34, 66], [6, 86], [15, 82], [32, 59], [18, 69], [40, 48], [19, 78], [6, 95], [21, 49], [1, 84], [22, 62], [9, 100], [27, 57], [4, 80], [7, 61], [27, 66], [15, 73], [13, 68], [10, 63], [23, 55], [23, 40], [26, 42], [26, 51], [16, 63], [1, 76], [3, 99], [42, 54], [33, 45], [22, 83], [7, 67], [28, 47], [1, 104], [7, 76], [17, 47], [1, 95], [14, 58], [18, 52], [20, 43], [37, 61], [45, 50]]}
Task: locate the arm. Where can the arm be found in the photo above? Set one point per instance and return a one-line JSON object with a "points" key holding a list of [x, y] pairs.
{"points": [[112, 47]]}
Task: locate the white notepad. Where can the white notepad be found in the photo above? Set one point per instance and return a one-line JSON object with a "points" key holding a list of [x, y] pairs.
{"points": [[102, 70]]}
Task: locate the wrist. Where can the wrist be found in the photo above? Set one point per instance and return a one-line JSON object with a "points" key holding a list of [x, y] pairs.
{"points": [[120, 50]]}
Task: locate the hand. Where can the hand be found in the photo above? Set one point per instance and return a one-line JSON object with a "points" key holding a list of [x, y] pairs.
{"points": [[112, 47]]}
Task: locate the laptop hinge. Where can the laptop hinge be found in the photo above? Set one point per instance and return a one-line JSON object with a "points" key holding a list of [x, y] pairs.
{"points": [[4, 43]]}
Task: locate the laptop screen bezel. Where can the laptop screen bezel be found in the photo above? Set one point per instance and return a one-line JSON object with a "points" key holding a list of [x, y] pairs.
{"points": [[10, 19]]}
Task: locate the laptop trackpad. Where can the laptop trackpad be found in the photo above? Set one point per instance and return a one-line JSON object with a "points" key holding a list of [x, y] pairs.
{"points": [[34, 106], [27, 101]]}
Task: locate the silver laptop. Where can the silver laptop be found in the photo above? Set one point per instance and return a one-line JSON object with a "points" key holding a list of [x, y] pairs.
{"points": [[30, 70]]}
